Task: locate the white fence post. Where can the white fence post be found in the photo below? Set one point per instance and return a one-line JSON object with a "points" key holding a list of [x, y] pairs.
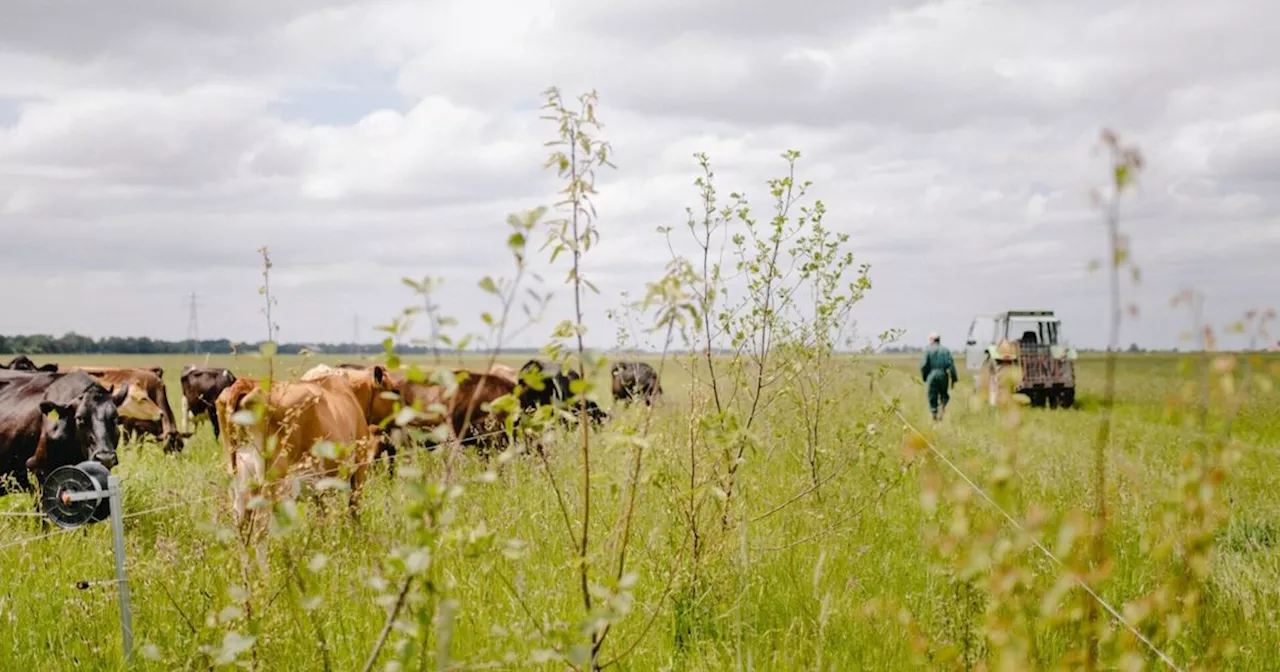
{"points": [[122, 583]]}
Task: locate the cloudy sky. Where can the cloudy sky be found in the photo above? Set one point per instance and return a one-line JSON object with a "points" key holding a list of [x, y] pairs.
{"points": [[149, 147]]}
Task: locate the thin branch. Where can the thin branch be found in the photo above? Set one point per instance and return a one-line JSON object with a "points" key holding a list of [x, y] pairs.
{"points": [[386, 627]]}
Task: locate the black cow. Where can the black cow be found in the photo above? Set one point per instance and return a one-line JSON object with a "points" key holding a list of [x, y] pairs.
{"points": [[24, 363], [85, 426], [635, 380], [200, 389], [555, 390]]}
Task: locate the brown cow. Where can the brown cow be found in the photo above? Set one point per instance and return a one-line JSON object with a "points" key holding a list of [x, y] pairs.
{"points": [[150, 381], [369, 384], [467, 412], [200, 389], [301, 415], [504, 371]]}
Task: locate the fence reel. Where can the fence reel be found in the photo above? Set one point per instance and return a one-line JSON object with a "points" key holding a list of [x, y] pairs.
{"points": [[75, 495]]}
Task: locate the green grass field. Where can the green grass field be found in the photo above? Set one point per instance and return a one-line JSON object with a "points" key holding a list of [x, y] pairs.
{"points": [[790, 589]]}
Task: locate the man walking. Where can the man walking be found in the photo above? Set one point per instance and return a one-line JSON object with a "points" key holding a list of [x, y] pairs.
{"points": [[938, 370]]}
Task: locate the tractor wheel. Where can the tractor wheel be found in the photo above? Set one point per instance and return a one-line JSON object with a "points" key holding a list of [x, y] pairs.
{"points": [[1067, 398], [1054, 396], [1038, 398]]}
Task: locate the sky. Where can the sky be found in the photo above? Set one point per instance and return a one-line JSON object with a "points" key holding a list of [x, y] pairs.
{"points": [[148, 148]]}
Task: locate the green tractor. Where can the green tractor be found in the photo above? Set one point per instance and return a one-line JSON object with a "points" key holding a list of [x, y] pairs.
{"points": [[1028, 342]]}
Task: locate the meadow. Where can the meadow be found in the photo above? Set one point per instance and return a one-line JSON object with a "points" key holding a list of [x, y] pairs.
{"points": [[788, 507], [802, 580]]}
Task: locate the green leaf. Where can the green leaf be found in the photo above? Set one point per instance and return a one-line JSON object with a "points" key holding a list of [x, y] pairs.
{"points": [[418, 561], [233, 644], [405, 416], [325, 449], [488, 285], [317, 563], [1122, 175], [332, 484], [229, 614]]}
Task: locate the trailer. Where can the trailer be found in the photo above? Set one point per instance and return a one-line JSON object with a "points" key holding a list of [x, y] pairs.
{"points": [[1027, 344]]}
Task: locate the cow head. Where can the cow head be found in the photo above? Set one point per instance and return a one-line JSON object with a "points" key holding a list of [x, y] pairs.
{"points": [[133, 403], [21, 363], [371, 387], [85, 429]]}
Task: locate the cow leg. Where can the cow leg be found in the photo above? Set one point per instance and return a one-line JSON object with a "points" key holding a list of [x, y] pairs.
{"points": [[357, 479], [321, 503], [385, 448]]}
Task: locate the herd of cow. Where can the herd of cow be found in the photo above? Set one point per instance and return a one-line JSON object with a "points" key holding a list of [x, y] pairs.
{"points": [[53, 415]]}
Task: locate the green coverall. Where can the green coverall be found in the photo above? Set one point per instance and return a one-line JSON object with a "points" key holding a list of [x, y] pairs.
{"points": [[938, 370]]}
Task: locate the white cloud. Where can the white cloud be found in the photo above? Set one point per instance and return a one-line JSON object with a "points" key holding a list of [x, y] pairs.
{"points": [[153, 148]]}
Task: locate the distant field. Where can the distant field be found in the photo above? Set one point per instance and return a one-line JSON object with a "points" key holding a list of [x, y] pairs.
{"points": [[768, 585]]}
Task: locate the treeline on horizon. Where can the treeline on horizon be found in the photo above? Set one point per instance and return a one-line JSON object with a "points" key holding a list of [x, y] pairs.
{"points": [[76, 344]]}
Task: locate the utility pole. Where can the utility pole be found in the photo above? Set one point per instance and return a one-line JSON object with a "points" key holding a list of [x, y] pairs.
{"points": [[193, 325], [355, 332]]}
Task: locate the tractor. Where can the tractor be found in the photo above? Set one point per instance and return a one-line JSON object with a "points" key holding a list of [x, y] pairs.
{"points": [[1029, 342]]}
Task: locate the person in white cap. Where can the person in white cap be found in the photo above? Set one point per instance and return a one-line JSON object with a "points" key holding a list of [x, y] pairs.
{"points": [[938, 370]]}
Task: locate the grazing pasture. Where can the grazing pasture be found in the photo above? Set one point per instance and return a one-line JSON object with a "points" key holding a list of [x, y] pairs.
{"points": [[807, 577]]}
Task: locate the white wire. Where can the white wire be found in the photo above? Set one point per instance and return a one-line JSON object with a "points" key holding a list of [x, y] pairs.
{"points": [[22, 542], [188, 502], [1115, 614]]}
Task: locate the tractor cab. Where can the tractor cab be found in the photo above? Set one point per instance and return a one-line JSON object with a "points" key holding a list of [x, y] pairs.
{"points": [[1032, 341]]}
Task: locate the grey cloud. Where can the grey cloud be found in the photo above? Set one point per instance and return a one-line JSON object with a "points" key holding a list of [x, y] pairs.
{"points": [[83, 29], [943, 66], [951, 141], [137, 138], [748, 19]]}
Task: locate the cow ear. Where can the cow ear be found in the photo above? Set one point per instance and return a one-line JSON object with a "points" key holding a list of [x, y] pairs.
{"points": [[120, 395], [63, 410], [379, 374]]}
